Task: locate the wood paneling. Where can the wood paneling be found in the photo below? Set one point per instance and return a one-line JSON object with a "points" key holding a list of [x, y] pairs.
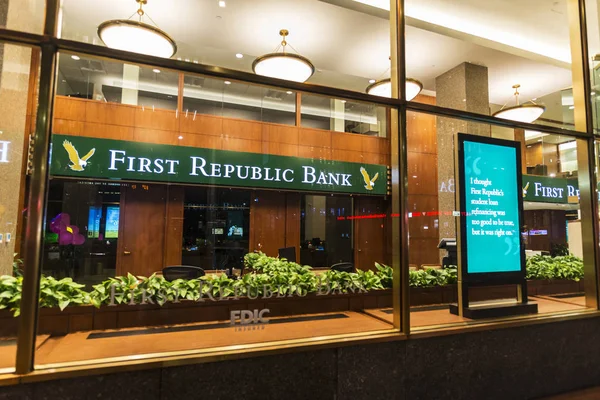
{"points": [[423, 186], [292, 222], [174, 225], [422, 173], [371, 241], [81, 117], [140, 249], [110, 113], [202, 124], [268, 222], [146, 117]]}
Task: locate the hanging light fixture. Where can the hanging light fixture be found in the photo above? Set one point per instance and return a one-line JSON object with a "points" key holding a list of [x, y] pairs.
{"points": [[520, 112], [137, 36], [383, 88], [284, 65]]}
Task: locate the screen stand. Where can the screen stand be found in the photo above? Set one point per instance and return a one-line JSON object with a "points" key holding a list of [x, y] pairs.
{"points": [[492, 308]]}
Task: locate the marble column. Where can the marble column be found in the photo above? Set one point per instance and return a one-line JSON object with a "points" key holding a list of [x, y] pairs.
{"points": [[464, 87], [15, 62]]}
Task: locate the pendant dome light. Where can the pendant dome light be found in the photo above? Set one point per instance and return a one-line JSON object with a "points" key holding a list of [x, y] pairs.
{"points": [[383, 88], [137, 36], [520, 112], [284, 65]]}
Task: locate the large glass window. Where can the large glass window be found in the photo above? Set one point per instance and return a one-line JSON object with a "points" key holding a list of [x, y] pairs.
{"points": [[18, 96], [551, 232], [184, 231]]}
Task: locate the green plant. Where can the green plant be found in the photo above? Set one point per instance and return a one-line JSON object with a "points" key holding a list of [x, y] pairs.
{"points": [[433, 277], [385, 274], [61, 293], [10, 293], [562, 267], [17, 265]]}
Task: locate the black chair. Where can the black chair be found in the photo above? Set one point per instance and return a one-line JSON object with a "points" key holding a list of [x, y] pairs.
{"points": [[174, 272], [289, 253], [343, 267]]}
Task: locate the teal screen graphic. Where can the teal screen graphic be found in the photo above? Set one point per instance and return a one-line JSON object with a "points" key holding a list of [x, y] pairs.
{"points": [[492, 208]]}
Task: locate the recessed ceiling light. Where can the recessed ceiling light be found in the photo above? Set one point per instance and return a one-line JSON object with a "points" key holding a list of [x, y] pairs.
{"points": [[74, 57], [227, 83], [289, 92], [343, 101], [239, 55], [156, 71], [222, 3], [371, 80]]}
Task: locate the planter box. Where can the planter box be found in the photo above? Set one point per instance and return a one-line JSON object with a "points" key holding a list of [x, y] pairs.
{"points": [[555, 286], [85, 318]]}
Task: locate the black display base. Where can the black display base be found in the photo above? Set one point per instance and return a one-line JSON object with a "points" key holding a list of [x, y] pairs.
{"points": [[487, 310]]}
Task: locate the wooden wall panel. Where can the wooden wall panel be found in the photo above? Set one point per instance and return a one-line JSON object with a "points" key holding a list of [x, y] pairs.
{"points": [[146, 135], [370, 235], [421, 133], [422, 173], [423, 186], [81, 117], [292, 222], [280, 134], [69, 108], [116, 132], [201, 124], [142, 224], [249, 130], [174, 225], [156, 119], [314, 137], [110, 113], [267, 222]]}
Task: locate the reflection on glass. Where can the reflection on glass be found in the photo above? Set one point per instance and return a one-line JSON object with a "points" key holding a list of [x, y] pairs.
{"points": [[343, 116], [551, 232]]}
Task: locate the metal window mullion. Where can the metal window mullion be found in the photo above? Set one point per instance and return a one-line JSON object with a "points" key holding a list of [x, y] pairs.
{"points": [[37, 198], [401, 306], [36, 205]]}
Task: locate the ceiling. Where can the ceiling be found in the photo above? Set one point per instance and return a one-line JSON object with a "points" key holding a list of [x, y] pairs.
{"points": [[519, 41]]}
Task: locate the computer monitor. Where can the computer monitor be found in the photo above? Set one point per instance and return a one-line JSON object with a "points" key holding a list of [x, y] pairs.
{"points": [[449, 244], [289, 253]]}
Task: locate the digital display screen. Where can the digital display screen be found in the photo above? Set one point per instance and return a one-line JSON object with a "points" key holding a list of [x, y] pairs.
{"points": [[235, 231], [492, 206], [111, 231], [94, 217]]}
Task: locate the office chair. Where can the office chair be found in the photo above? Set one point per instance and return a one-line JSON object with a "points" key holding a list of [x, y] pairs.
{"points": [[174, 272], [343, 267], [289, 253]]}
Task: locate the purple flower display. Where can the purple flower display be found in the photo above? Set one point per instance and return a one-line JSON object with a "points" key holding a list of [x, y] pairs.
{"points": [[67, 233]]}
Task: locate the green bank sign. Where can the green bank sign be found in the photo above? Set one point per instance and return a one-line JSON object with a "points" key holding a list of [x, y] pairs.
{"points": [[550, 190], [114, 159]]}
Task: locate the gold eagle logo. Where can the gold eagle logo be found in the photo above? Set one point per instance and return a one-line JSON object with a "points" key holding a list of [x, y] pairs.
{"points": [[77, 164], [369, 183], [525, 189]]}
